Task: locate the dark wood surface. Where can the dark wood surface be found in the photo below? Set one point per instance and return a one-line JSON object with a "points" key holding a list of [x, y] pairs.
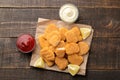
{"points": [[20, 16]]}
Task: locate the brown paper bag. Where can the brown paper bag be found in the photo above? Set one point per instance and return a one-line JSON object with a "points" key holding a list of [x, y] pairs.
{"points": [[42, 24]]}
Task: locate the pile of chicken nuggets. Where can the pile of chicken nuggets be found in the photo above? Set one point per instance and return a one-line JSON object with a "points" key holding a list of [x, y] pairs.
{"points": [[61, 46]]}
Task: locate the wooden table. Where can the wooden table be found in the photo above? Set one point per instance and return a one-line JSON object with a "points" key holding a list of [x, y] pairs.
{"points": [[20, 16]]}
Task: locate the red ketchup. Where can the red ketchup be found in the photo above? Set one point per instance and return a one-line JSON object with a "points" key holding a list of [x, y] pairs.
{"points": [[25, 43]]}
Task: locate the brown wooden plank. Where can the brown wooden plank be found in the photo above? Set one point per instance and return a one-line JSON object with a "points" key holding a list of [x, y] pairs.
{"points": [[40, 74], [86, 14], [15, 29], [27, 15], [106, 22], [58, 3], [104, 54], [10, 57]]}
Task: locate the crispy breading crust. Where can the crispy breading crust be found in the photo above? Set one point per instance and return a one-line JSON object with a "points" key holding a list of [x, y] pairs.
{"points": [[42, 41], [61, 62], [50, 27], [75, 59], [63, 30], [84, 48], [47, 54], [72, 48], [54, 38], [60, 49]]}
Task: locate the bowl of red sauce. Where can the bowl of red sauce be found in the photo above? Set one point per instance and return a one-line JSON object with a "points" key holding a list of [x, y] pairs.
{"points": [[25, 43]]}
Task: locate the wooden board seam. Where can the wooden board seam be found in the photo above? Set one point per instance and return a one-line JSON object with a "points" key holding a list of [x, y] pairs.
{"points": [[53, 7]]}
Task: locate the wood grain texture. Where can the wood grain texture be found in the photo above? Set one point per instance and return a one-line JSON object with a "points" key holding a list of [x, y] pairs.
{"points": [[104, 23], [20, 16], [38, 74], [104, 54], [14, 29], [86, 14], [58, 3], [10, 57]]}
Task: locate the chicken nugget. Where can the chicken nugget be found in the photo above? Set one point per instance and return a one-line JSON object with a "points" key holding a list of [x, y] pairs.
{"points": [[54, 38], [75, 59], [76, 30], [50, 27], [60, 49], [52, 48], [47, 54], [71, 36], [42, 41], [71, 48], [84, 48], [49, 63], [61, 63], [60, 52], [63, 30], [61, 44], [80, 38]]}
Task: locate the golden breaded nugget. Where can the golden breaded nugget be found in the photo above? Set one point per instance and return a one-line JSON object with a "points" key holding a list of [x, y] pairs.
{"points": [[80, 38], [47, 54], [60, 49], [63, 30], [54, 38], [71, 36], [61, 62], [50, 27], [42, 41], [52, 48], [75, 59], [61, 44], [71, 48], [84, 48], [49, 63], [60, 52], [76, 30]]}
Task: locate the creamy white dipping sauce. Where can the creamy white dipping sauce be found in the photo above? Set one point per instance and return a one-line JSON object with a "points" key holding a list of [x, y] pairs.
{"points": [[69, 13]]}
